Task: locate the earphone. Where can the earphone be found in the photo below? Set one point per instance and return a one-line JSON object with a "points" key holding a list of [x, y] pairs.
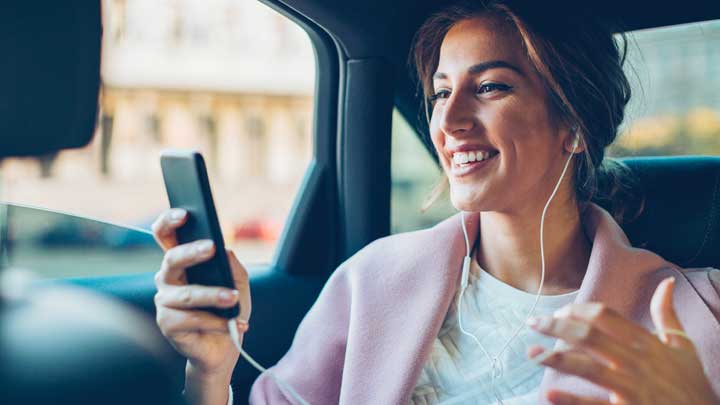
{"points": [[496, 364], [285, 387]]}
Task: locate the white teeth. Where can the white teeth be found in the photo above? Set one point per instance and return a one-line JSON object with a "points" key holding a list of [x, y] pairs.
{"points": [[460, 158]]}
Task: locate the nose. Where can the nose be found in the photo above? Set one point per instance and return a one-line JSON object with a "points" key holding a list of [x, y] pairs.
{"points": [[457, 116]]}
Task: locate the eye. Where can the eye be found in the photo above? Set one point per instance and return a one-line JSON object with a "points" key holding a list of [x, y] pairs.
{"points": [[440, 95], [490, 87]]}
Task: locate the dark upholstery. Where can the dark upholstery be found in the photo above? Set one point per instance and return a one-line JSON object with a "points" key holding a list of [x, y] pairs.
{"points": [[681, 215], [49, 75]]}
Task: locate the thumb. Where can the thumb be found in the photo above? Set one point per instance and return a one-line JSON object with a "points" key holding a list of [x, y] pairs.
{"points": [[664, 317]]}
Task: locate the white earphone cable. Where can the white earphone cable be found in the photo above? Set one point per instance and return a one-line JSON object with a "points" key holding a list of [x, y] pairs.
{"points": [[235, 337], [496, 364]]}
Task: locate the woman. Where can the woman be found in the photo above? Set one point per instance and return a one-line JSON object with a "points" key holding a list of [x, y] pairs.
{"points": [[516, 101]]}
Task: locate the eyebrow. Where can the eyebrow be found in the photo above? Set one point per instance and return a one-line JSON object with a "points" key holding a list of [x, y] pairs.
{"points": [[481, 67]]}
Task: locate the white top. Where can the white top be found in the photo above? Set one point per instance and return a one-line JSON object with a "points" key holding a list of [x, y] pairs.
{"points": [[458, 372]]}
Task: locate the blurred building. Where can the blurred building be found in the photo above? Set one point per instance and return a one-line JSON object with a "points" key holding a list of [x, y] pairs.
{"points": [[232, 78], [676, 69]]}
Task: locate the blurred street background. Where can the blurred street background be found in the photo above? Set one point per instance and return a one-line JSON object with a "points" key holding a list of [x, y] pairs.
{"points": [[235, 80]]}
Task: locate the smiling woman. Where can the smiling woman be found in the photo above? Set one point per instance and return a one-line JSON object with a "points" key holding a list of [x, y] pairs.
{"points": [[450, 314], [515, 97]]}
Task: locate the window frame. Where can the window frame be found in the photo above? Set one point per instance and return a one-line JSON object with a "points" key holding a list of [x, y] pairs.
{"points": [[308, 242]]}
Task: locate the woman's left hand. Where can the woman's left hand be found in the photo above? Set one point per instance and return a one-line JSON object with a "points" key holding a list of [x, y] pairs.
{"points": [[636, 366]]}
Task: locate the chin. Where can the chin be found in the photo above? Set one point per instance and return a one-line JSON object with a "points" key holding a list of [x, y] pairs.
{"points": [[467, 200]]}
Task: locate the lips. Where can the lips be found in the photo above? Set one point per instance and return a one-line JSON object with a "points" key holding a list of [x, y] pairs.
{"points": [[460, 167]]}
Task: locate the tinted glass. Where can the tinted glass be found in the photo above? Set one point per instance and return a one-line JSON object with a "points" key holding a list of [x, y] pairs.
{"points": [[675, 106], [58, 245]]}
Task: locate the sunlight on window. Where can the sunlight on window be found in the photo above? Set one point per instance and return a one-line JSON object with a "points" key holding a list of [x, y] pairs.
{"points": [[232, 79]]}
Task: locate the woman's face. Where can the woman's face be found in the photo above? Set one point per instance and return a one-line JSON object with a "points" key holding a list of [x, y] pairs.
{"points": [[490, 123]]}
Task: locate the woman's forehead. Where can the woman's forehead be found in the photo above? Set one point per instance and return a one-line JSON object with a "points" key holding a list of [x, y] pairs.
{"points": [[479, 40]]}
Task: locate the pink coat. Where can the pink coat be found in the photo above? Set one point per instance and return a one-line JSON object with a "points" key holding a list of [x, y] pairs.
{"points": [[366, 338]]}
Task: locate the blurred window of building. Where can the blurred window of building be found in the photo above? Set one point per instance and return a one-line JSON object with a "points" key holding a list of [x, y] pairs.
{"points": [[674, 110], [232, 79], [674, 73]]}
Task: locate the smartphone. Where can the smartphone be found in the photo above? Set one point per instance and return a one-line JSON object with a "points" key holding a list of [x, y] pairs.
{"points": [[188, 187]]}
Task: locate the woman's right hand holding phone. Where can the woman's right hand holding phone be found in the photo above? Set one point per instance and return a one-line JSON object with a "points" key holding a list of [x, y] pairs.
{"points": [[202, 337]]}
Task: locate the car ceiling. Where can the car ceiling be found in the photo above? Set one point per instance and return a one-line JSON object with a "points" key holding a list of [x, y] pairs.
{"points": [[369, 28], [384, 29]]}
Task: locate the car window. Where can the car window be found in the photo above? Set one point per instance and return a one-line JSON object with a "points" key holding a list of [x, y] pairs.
{"points": [[675, 106], [59, 245], [674, 110], [414, 175], [232, 79]]}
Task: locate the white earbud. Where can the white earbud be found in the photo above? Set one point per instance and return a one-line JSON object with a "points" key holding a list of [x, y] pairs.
{"points": [[576, 137]]}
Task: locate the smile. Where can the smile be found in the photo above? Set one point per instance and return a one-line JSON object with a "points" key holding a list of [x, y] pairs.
{"points": [[464, 163]]}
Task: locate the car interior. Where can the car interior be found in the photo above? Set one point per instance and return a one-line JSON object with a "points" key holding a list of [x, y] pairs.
{"points": [[52, 58]]}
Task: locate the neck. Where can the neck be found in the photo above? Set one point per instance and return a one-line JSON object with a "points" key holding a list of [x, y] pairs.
{"points": [[509, 248]]}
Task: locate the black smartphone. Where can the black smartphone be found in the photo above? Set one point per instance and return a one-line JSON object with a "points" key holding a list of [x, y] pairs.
{"points": [[188, 187]]}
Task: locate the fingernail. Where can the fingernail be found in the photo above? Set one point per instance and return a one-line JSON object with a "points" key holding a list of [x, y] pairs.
{"points": [[562, 312], [535, 351], [176, 214], [205, 246], [538, 322], [225, 296]]}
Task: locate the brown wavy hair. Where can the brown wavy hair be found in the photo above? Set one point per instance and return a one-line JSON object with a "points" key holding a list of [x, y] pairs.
{"points": [[581, 66]]}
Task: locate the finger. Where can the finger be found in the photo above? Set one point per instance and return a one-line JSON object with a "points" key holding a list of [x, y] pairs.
{"points": [[242, 284], [166, 224], [609, 321], [582, 365], [175, 321], [585, 335], [565, 398], [177, 259], [196, 296], [664, 316]]}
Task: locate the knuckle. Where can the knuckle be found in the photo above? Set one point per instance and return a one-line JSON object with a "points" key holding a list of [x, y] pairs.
{"points": [[161, 320], [173, 257], [195, 318], [587, 367], [556, 358], [185, 295], [158, 277]]}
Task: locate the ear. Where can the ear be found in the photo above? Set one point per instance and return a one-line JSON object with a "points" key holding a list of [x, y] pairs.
{"points": [[572, 138]]}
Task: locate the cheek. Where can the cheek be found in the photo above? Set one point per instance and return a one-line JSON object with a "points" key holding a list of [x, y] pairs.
{"points": [[438, 138], [519, 130]]}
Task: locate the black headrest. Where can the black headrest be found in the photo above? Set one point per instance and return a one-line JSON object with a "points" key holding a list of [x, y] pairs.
{"points": [[49, 75], [681, 216]]}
